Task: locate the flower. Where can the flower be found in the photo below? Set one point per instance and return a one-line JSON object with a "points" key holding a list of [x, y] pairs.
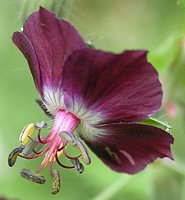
{"points": [[92, 96]]}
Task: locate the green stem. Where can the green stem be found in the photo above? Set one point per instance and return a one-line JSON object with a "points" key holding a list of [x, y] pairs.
{"points": [[113, 189]]}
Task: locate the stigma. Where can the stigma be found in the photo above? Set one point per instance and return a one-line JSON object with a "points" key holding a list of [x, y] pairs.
{"points": [[53, 144]]}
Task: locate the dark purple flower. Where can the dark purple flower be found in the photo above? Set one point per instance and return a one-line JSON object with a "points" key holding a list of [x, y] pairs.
{"points": [[94, 96]]}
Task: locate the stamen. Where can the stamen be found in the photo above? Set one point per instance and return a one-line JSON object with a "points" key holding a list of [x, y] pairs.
{"points": [[56, 143], [58, 161], [71, 158], [32, 176], [62, 147], [56, 182], [52, 150], [13, 155], [51, 163], [85, 156], [69, 137], [35, 152], [26, 133], [30, 138], [36, 156], [40, 125], [32, 148], [78, 166], [41, 140]]}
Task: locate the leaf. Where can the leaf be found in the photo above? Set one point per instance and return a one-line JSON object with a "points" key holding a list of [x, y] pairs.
{"points": [[156, 122]]}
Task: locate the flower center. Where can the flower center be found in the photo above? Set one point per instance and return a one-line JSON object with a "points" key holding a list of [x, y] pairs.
{"points": [[59, 136], [53, 145]]}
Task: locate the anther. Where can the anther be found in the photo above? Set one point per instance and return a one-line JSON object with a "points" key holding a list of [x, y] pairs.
{"points": [[26, 134], [84, 153], [13, 155], [78, 166], [56, 182], [32, 176], [69, 137], [40, 125]]}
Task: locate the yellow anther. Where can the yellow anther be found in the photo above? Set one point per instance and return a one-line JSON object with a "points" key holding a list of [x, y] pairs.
{"points": [[26, 133]]}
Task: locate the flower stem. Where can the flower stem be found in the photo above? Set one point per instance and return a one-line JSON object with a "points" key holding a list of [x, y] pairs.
{"points": [[113, 189]]}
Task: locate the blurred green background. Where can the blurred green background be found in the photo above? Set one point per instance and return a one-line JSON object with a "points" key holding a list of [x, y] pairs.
{"points": [[155, 25]]}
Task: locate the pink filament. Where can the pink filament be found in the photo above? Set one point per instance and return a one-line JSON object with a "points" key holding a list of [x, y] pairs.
{"points": [[69, 157], [38, 155], [58, 161]]}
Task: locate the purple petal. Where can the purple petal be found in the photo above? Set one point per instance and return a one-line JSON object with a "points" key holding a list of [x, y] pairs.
{"points": [[129, 148], [122, 87], [23, 43], [49, 41]]}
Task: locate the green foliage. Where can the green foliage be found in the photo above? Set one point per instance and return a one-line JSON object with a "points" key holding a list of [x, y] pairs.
{"points": [[157, 122], [181, 2]]}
